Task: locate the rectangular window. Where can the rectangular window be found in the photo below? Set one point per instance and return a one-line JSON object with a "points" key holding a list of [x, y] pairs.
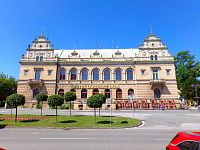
{"points": [[168, 71], [26, 72], [143, 72], [155, 74], [50, 72], [38, 74]]}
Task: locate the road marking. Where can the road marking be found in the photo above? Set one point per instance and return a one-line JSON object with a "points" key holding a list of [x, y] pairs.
{"points": [[198, 115], [36, 133], [190, 126], [65, 138], [162, 139]]}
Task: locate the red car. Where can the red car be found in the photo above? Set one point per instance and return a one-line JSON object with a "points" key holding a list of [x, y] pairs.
{"points": [[185, 141], [2, 148]]}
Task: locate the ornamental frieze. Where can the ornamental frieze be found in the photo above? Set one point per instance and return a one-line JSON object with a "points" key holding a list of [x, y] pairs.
{"points": [[98, 86]]}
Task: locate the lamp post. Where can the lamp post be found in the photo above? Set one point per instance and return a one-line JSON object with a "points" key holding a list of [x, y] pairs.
{"points": [[111, 107]]}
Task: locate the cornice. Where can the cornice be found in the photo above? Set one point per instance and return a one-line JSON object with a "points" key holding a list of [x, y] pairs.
{"points": [[153, 48], [38, 63]]}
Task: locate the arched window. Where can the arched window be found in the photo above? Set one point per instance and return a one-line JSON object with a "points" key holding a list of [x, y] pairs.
{"points": [[61, 92], [107, 93], [130, 94], [106, 74], [130, 91], [118, 74], [95, 91], [129, 74], [84, 74], [95, 74], [38, 58], [156, 57], [83, 93], [151, 57], [62, 74], [41, 58], [157, 93], [35, 92], [73, 74], [118, 94]]}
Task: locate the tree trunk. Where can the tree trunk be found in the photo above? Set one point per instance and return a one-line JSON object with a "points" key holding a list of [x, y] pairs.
{"points": [[56, 115], [16, 114], [94, 115], [41, 107], [11, 113], [70, 108]]}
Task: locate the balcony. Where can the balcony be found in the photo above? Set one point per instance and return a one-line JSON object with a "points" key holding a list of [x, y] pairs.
{"points": [[157, 82], [33, 82]]}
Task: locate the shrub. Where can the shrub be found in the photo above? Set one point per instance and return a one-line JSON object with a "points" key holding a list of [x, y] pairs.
{"points": [[54, 101], [15, 100], [70, 96], [40, 98]]}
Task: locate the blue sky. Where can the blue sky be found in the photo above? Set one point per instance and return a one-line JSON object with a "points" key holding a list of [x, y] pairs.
{"points": [[68, 23]]}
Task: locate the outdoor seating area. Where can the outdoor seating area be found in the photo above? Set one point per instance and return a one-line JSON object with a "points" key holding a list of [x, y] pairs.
{"points": [[148, 104]]}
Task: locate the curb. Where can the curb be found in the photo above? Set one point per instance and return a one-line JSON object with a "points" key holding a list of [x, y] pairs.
{"points": [[143, 123]]}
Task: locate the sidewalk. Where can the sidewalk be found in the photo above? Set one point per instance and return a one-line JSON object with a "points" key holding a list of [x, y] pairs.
{"points": [[193, 108]]}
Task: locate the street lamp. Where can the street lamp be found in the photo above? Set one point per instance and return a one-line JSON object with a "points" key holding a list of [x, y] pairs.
{"points": [[111, 107]]}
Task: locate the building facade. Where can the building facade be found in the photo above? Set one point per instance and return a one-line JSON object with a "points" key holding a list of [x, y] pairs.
{"points": [[145, 73]]}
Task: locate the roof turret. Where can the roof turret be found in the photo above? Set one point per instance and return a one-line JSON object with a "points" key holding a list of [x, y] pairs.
{"points": [[40, 43]]}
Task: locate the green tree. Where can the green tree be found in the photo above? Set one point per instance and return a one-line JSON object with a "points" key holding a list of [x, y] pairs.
{"points": [[15, 100], [41, 97], [101, 97], [187, 72], [54, 101], [70, 96], [8, 86], [2, 75], [94, 101]]}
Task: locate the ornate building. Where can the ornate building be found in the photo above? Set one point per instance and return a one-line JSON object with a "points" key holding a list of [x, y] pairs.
{"points": [[145, 73]]}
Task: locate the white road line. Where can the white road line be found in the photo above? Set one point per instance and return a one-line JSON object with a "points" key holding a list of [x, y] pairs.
{"points": [[162, 139], [198, 115], [36, 133], [65, 138]]}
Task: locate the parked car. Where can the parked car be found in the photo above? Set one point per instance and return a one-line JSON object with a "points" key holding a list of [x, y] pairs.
{"points": [[185, 141]]}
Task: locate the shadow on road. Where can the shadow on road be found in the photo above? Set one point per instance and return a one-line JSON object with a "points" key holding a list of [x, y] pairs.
{"points": [[2, 126]]}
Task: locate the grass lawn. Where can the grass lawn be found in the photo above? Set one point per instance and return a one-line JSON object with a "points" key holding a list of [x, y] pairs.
{"points": [[70, 122]]}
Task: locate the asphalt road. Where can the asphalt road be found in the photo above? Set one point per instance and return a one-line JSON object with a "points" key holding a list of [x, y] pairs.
{"points": [[159, 128], [85, 139]]}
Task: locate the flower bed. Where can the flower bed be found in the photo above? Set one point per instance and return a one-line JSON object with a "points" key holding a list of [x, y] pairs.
{"points": [[24, 118]]}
